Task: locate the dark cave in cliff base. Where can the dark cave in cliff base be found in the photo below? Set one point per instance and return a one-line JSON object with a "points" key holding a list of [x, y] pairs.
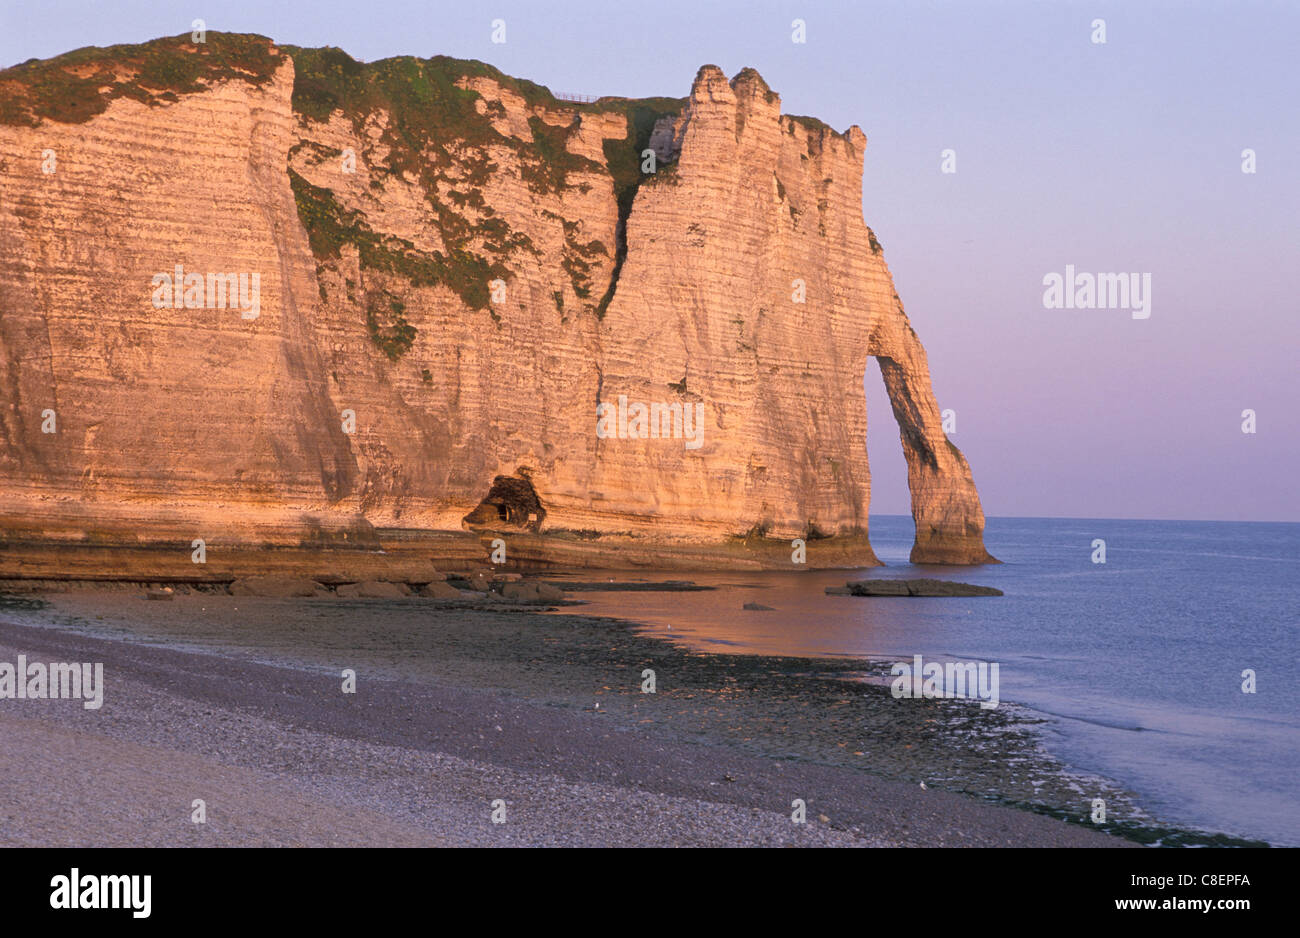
{"points": [[512, 502]]}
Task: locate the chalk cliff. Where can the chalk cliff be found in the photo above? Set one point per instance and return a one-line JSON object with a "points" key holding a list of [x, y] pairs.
{"points": [[466, 305]]}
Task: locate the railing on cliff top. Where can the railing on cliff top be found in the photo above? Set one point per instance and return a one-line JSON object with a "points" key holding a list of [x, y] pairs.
{"points": [[577, 98]]}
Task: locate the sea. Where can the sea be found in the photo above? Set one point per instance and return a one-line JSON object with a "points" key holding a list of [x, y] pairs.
{"points": [[1169, 667]]}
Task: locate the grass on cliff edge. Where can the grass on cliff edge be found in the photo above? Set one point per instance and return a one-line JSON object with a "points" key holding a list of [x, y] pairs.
{"points": [[438, 133], [429, 112], [435, 125], [435, 133], [74, 87]]}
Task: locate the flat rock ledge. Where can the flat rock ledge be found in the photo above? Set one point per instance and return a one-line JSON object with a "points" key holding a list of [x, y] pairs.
{"points": [[479, 584], [921, 587]]}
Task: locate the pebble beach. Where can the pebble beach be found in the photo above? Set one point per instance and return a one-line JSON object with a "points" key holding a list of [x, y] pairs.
{"points": [[463, 713]]}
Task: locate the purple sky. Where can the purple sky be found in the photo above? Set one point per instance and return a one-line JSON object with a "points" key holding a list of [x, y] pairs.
{"points": [[1117, 157]]}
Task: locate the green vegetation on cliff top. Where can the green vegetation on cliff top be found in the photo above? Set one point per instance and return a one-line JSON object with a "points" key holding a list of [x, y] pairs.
{"points": [[434, 132], [439, 133], [74, 87]]}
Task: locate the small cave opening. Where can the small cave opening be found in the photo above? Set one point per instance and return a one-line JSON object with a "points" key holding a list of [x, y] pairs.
{"points": [[511, 502]]}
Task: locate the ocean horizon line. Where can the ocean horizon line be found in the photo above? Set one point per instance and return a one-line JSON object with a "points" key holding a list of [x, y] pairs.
{"points": [[872, 516]]}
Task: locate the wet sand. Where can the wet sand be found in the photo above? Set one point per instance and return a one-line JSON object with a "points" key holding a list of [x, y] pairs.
{"points": [[238, 701]]}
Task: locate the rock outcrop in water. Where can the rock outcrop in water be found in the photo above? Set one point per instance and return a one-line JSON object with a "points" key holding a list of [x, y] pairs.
{"points": [[263, 295], [918, 587]]}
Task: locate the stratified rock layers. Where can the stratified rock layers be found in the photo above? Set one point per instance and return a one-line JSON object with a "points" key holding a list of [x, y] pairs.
{"points": [[750, 292]]}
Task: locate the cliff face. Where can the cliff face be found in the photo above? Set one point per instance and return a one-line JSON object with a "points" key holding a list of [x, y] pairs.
{"points": [[465, 305]]}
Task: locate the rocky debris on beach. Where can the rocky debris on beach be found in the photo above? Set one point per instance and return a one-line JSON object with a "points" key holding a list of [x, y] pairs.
{"points": [[373, 589], [531, 591], [919, 587], [511, 587], [276, 587], [479, 584], [422, 576], [165, 592]]}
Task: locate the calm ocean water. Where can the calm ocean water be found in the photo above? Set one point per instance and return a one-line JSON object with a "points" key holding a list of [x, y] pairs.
{"points": [[1139, 660]]}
